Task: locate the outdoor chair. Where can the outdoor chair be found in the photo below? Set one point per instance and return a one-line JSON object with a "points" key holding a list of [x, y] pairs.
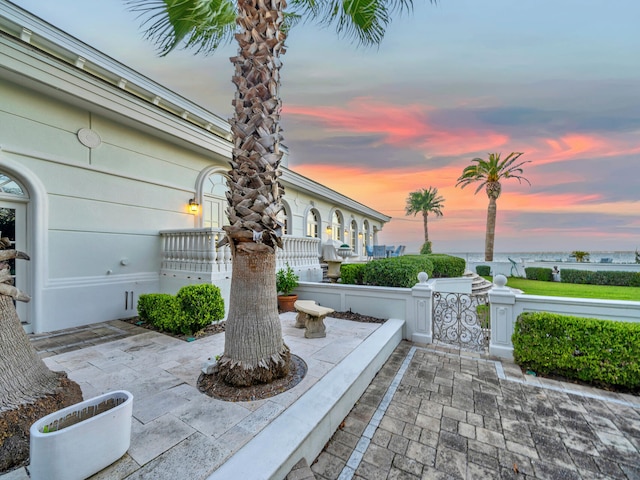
{"points": [[379, 251], [369, 250], [398, 252]]}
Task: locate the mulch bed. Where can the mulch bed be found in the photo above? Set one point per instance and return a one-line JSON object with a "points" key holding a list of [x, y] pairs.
{"points": [[219, 327]]}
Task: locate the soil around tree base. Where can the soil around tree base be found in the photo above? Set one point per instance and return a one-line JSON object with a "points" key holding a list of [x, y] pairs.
{"points": [[15, 424], [215, 387]]}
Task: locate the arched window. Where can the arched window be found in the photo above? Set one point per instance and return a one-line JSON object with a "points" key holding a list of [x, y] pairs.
{"points": [[354, 236], [214, 201], [337, 224], [366, 235], [283, 217], [313, 222], [9, 187]]}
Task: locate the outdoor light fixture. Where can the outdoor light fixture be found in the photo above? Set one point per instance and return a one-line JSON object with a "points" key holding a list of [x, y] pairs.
{"points": [[193, 205]]}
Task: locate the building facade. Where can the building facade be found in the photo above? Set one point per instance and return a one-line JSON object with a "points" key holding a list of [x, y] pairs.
{"points": [[114, 185]]}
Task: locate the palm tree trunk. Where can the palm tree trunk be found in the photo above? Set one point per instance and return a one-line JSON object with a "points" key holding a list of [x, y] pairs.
{"points": [[254, 349], [491, 229], [425, 216], [23, 375]]}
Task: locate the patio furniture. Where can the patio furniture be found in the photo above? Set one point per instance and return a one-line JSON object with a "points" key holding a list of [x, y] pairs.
{"points": [[389, 250], [311, 316], [369, 250], [379, 251], [398, 251]]}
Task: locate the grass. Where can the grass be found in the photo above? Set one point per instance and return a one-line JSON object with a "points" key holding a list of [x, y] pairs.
{"points": [[573, 290]]}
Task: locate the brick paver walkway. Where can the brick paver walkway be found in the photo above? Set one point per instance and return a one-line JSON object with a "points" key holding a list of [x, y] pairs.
{"points": [[430, 414]]}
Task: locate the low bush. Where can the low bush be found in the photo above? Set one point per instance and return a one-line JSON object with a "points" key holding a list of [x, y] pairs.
{"points": [[483, 270], [191, 309], [539, 273], [158, 309], [200, 305], [446, 266], [397, 272], [601, 352], [352, 273], [616, 278], [426, 248]]}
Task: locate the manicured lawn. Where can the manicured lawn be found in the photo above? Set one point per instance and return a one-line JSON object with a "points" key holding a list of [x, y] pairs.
{"points": [[559, 289]]}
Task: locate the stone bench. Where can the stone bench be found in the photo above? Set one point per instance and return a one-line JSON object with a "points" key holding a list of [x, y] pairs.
{"points": [[311, 316]]}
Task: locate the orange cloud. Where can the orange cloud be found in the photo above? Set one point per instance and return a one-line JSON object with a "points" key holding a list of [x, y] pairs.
{"points": [[402, 126]]}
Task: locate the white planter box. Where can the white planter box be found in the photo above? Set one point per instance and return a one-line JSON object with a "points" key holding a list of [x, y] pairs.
{"points": [[80, 440]]}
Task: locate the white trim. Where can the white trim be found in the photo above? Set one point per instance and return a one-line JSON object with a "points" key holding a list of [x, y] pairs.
{"points": [[70, 282], [37, 234]]}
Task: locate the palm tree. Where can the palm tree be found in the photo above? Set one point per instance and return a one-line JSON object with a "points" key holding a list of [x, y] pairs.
{"points": [[254, 350], [489, 173], [425, 201]]}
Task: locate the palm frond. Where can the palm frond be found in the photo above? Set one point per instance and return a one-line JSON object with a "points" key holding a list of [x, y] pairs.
{"points": [[203, 25]]}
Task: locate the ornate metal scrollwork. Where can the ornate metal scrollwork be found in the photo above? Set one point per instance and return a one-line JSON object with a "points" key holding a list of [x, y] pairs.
{"points": [[461, 319]]}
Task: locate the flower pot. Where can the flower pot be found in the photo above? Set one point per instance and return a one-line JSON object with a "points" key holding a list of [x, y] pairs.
{"points": [[82, 439], [285, 302]]}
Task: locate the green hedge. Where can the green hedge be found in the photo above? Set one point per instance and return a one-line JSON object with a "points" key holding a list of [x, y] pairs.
{"points": [[401, 271], [446, 266], [483, 270], [352, 273], [616, 278], [397, 272], [158, 309], [601, 352], [191, 309], [201, 305], [539, 273]]}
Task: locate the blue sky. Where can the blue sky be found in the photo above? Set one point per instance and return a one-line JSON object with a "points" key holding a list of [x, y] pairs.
{"points": [[557, 80]]}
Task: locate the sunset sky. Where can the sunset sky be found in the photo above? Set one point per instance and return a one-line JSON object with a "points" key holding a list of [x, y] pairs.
{"points": [[556, 79]]}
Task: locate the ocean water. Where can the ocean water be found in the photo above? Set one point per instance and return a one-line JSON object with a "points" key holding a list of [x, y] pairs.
{"points": [[559, 257]]}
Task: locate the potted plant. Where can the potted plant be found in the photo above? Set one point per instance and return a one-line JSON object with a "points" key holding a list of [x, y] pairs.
{"points": [[286, 281]]}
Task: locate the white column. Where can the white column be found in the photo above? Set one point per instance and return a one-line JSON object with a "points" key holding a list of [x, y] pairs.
{"points": [[502, 306], [419, 327]]}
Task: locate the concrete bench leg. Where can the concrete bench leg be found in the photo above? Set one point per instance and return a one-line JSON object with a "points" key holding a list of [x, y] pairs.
{"points": [[301, 320], [315, 327]]}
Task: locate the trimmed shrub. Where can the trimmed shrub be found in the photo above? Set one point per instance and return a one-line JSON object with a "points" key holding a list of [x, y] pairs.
{"points": [[539, 273], [352, 273], [397, 272], [601, 352], [616, 278], [446, 266], [483, 270], [200, 306], [158, 309], [426, 248]]}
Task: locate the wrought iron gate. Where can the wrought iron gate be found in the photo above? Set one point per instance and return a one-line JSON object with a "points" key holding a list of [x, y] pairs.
{"points": [[461, 319]]}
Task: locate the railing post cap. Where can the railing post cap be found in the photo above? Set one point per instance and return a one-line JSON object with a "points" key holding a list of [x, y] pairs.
{"points": [[422, 278], [500, 281]]}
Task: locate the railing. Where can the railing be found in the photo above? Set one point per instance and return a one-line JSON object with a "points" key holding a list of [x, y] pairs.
{"points": [[196, 251]]}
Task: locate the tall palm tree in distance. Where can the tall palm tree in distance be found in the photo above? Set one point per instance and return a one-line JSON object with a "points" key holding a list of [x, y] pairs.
{"points": [[488, 174], [425, 201], [254, 350]]}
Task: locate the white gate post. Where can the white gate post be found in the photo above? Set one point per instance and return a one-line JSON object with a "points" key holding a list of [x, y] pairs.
{"points": [[502, 301], [419, 330]]}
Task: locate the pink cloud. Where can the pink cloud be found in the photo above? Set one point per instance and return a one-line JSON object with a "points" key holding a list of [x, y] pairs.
{"points": [[400, 125]]}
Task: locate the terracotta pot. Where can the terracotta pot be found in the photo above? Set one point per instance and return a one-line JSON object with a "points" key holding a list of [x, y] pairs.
{"points": [[285, 302]]}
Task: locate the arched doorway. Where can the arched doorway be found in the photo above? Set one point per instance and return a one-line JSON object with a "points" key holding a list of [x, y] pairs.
{"points": [[13, 225]]}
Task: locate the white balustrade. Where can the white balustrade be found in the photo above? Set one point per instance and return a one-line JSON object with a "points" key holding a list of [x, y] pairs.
{"points": [[196, 251]]}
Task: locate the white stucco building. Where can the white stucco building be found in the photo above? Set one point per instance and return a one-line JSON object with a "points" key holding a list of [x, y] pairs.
{"points": [[98, 167]]}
